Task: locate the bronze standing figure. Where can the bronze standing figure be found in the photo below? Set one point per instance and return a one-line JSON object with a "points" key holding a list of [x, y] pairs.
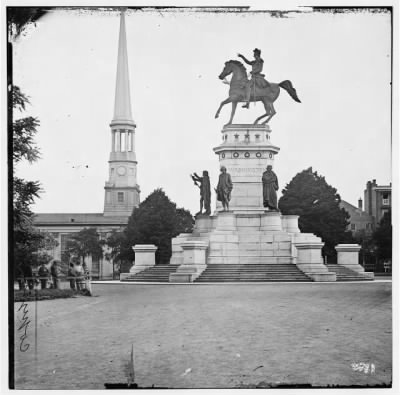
{"points": [[205, 192], [224, 188], [270, 186]]}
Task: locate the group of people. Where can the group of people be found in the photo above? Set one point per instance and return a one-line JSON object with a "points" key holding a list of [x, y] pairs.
{"points": [[225, 186], [48, 276], [78, 275]]}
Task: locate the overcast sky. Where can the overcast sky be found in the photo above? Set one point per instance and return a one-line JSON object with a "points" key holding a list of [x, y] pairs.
{"points": [[339, 63]]}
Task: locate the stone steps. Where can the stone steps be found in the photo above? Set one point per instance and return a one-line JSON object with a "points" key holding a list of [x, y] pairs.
{"points": [[251, 273], [344, 274], [248, 259], [158, 273]]}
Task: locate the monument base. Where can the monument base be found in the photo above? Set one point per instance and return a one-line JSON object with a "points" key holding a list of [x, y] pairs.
{"points": [[232, 238]]}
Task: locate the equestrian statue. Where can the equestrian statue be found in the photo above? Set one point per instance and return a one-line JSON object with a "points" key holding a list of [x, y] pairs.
{"points": [[241, 89]]}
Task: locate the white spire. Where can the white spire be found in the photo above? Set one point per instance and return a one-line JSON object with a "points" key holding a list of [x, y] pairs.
{"points": [[122, 106]]}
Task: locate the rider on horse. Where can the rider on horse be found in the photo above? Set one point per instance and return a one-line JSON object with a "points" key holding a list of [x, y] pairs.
{"points": [[257, 79]]}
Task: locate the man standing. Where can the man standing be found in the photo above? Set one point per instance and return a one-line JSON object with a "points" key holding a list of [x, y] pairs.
{"points": [[224, 188], [205, 192], [270, 186], [55, 273], [43, 275]]}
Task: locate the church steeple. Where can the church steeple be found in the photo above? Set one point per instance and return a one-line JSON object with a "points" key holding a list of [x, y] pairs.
{"points": [[122, 193], [122, 105]]}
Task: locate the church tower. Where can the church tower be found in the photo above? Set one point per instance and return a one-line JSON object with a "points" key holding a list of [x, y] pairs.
{"points": [[122, 193]]}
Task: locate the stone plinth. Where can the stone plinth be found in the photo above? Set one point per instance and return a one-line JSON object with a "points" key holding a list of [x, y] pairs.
{"points": [[144, 257], [271, 221], [176, 246], [309, 261], [194, 261], [347, 256], [204, 224], [309, 253], [290, 223], [245, 151]]}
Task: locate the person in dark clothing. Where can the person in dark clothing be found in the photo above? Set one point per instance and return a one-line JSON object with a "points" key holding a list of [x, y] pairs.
{"points": [[43, 275], [71, 276], [55, 273], [28, 275]]}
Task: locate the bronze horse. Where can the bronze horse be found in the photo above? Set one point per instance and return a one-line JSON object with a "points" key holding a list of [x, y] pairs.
{"points": [[237, 90]]}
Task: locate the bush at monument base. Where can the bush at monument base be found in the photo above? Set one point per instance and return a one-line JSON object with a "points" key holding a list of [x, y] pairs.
{"points": [[156, 221], [317, 204]]}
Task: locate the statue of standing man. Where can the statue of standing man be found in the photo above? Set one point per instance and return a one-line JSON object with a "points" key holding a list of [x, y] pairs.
{"points": [[205, 192], [270, 186], [224, 188]]}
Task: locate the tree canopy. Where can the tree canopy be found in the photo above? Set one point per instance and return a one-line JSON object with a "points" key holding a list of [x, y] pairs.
{"points": [[156, 221], [30, 244], [84, 243], [317, 204]]}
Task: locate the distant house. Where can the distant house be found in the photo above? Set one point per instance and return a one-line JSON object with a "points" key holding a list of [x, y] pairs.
{"points": [[359, 219], [378, 200]]}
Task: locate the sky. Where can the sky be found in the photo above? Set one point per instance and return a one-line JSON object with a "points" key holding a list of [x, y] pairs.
{"points": [[339, 63]]}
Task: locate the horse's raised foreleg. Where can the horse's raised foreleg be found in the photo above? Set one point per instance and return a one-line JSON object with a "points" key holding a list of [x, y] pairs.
{"points": [[226, 101], [273, 112], [234, 104]]}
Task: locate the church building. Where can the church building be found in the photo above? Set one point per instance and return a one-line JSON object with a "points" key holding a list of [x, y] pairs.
{"points": [[121, 191]]}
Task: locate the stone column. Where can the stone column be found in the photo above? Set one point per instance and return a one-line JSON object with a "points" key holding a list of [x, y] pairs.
{"points": [[194, 262], [126, 140], [117, 141], [144, 257], [309, 261]]}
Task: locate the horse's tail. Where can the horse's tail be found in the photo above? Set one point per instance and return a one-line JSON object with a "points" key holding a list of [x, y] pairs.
{"points": [[287, 85]]}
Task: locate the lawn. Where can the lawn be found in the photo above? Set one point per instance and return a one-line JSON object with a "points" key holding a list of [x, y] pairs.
{"points": [[209, 336]]}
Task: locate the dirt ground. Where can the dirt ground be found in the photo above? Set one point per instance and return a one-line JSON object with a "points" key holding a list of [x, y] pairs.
{"points": [[208, 336]]}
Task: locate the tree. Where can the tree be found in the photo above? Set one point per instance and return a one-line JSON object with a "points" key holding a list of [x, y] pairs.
{"points": [[84, 243], [185, 221], [382, 237], [29, 243], [317, 204], [156, 221], [24, 147], [364, 239], [114, 246], [114, 242]]}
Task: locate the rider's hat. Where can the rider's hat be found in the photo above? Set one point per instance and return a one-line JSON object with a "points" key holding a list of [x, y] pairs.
{"points": [[257, 51]]}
